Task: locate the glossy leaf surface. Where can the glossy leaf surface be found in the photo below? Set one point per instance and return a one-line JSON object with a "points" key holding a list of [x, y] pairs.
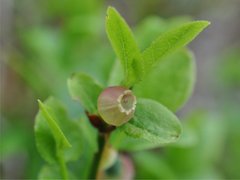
{"points": [[153, 122]]}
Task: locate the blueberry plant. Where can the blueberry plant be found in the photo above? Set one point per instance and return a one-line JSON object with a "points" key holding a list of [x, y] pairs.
{"points": [[134, 111]]}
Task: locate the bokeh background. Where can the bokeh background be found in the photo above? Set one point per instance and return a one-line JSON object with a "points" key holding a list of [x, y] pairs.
{"points": [[42, 42]]}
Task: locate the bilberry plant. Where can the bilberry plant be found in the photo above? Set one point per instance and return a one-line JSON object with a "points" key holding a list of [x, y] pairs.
{"points": [[133, 111]]}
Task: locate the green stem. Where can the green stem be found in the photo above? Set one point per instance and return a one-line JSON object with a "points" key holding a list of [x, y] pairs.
{"points": [[63, 167], [95, 169]]}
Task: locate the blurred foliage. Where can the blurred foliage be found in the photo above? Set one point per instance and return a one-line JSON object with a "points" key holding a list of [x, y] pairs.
{"points": [[229, 82], [153, 122], [55, 44], [50, 43], [229, 68]]}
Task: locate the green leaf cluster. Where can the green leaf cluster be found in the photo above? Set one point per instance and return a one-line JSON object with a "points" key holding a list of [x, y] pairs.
{"points": [[162, 78], [163, 74], [59, 138], [131, 59]]}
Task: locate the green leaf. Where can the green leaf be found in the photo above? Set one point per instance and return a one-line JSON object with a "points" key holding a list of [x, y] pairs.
{"points": [[82, 166], [171, 41], [54, 131], [59, 137], [153, 26], [49, 172], [171, 82], [125, 47], [122, 142], [45, 141], [52, 172], [90, 134], [153, 122], [84, 89]]}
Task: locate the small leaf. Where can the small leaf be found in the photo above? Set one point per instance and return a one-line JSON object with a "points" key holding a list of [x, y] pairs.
{"points": [[171, 41], [54, 131], [154, 26], [153, 122], [125, 47], [171, 82], [45, 141], [84, 89], [61, 140]]}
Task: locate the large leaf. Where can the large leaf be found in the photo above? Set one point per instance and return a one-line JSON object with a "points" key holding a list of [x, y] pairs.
{"points": [[153, 122], [89, 134], [54, 131], [123, 142], [171, 41], [120, 141], [84, 89], [125, 47], [171, 82]]}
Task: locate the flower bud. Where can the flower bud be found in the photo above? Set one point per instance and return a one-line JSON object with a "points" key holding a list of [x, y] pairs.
{"points": [[116, 105]]}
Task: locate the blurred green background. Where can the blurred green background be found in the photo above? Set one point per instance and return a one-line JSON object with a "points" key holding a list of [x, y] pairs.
{"points": [[43, 42]]}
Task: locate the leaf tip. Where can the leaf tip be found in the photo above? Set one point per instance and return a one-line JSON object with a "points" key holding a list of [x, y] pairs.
{"points": [[203, 23], [110, 9], [206, 23], [112, 12], [40, 104]]}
